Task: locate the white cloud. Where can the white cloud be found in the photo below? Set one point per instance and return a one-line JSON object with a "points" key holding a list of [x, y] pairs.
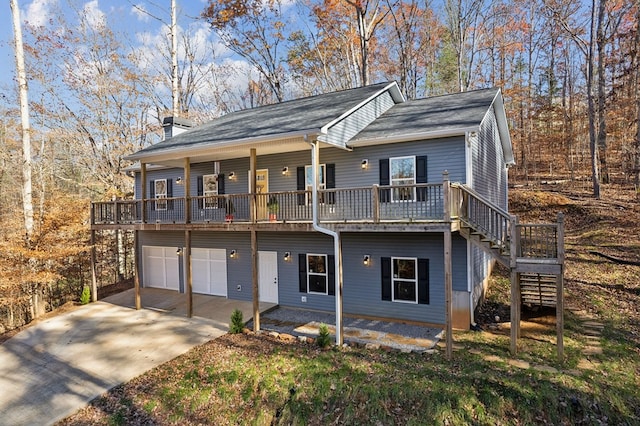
{"points": [[93, 15], [38, 12], [140, 12]]}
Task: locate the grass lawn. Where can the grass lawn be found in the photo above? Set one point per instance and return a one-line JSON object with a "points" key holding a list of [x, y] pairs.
{"points": [[249, 379]]}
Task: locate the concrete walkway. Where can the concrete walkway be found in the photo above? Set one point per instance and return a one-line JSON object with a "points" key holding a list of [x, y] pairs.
{"points": [[53, 368]]}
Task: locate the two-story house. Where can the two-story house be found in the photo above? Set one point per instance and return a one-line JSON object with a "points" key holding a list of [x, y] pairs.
{"points": [[358, 202]]}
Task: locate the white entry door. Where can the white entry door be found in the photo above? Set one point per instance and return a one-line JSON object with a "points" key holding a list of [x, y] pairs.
{"points": [[268, 276], [160, 267], [209, 271]]}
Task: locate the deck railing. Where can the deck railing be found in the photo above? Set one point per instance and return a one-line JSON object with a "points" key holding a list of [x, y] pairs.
{"points": [[538, 241], [420, 202]]}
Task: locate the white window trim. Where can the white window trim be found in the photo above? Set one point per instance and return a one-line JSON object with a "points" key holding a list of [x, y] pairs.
{"points": [[325, 274], [393, 279], [391, 179], [160, 205], [212, 204], [321, 185]]}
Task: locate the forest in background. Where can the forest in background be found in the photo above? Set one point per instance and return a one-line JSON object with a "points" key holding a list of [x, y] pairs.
{"points": [[569, 71]]}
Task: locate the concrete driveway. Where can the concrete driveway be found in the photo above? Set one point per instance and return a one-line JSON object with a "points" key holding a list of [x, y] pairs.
{"points": [[53, 368]]}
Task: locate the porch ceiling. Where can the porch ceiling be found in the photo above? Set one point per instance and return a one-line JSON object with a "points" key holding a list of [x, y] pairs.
{"points": [[201, 154]]}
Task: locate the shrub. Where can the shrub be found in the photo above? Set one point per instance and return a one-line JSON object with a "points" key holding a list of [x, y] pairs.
{"points": [[324, 339], [237, 324], [85, 297]]}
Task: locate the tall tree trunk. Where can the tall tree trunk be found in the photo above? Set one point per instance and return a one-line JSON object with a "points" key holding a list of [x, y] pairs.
{"points": [[602, 124], [27, 202], [595, 163], [636, 153], [175, 91]]}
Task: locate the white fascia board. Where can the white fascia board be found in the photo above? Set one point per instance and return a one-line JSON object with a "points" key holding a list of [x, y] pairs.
{"points": [[435, 134], [204, 147], [503, 128], [394, 91]]}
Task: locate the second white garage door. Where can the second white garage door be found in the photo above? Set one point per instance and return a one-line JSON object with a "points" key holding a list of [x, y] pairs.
{"points": [[209, 271], [160, 267]]}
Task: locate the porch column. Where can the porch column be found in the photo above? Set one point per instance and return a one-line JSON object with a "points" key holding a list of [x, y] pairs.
{"points": [[94, 284], [137, 261], [254, 240], [187, 190], [143, 190], [448, 277], [187, 269]]}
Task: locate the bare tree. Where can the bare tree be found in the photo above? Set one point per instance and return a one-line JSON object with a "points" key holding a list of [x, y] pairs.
{"points": [[27, 203]]}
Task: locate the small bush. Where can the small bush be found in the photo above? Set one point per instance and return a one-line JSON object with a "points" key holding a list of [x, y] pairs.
{"points": [[85, 297], [237, 324], [324, 339]]}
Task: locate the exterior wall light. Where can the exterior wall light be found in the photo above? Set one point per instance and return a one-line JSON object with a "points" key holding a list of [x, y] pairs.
{"points": [[179, 181], [287, 256], [233, 254], [285, 171], [232, 175], [366, 260], [364, 164], [179, 251]]}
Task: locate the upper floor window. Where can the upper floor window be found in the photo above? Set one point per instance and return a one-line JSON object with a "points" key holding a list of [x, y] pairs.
{"points": [[308, 178], [402, 172], [160, 190], [210, 190]]}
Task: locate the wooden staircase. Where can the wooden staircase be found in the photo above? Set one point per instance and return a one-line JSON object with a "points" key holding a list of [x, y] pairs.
{"points": [[534, 253]]}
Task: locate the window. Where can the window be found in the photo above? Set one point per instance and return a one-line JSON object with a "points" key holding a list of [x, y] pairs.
{"points": [[317, 273], [210, 190], [402, 172], [404, 278], [160, 190], [322, 183]]}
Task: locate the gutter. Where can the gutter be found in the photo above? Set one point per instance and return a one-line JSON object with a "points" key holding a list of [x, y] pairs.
{"points": [[315, 155]]}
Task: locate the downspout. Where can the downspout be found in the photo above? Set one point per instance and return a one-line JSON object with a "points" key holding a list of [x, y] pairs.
{"points": [[315, 155]]}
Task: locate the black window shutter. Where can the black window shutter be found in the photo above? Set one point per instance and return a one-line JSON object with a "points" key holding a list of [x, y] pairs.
{"points": [[169, 194], [421, 176], [385, 263], [330, 169], [302, 272], [423, 281], [300, 184], [331, 275], [200, 191], [152, 193], [385, 194], [221, 191]]}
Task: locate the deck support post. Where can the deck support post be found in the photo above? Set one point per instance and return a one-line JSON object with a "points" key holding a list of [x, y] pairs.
{"points": [[94, 278], [188, 275], [254, 240], [516, 298], [448, 276], [138, 264], [560, 290]]}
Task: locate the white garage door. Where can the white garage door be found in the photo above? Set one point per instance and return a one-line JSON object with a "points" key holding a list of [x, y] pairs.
{"points": [[209, 271], [160, 267]]}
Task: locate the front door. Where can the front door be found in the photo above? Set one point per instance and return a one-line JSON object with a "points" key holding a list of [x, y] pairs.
{"points": [[268, 276], [262, 187]]}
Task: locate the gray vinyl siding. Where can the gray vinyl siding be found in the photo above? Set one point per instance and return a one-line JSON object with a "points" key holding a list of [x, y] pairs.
{"points": [[362, 287], [442, 154], [340, 133], [490, 180], [488, 166]]}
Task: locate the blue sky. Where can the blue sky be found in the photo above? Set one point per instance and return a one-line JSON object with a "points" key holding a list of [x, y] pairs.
{"points": [[141, 28]]}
